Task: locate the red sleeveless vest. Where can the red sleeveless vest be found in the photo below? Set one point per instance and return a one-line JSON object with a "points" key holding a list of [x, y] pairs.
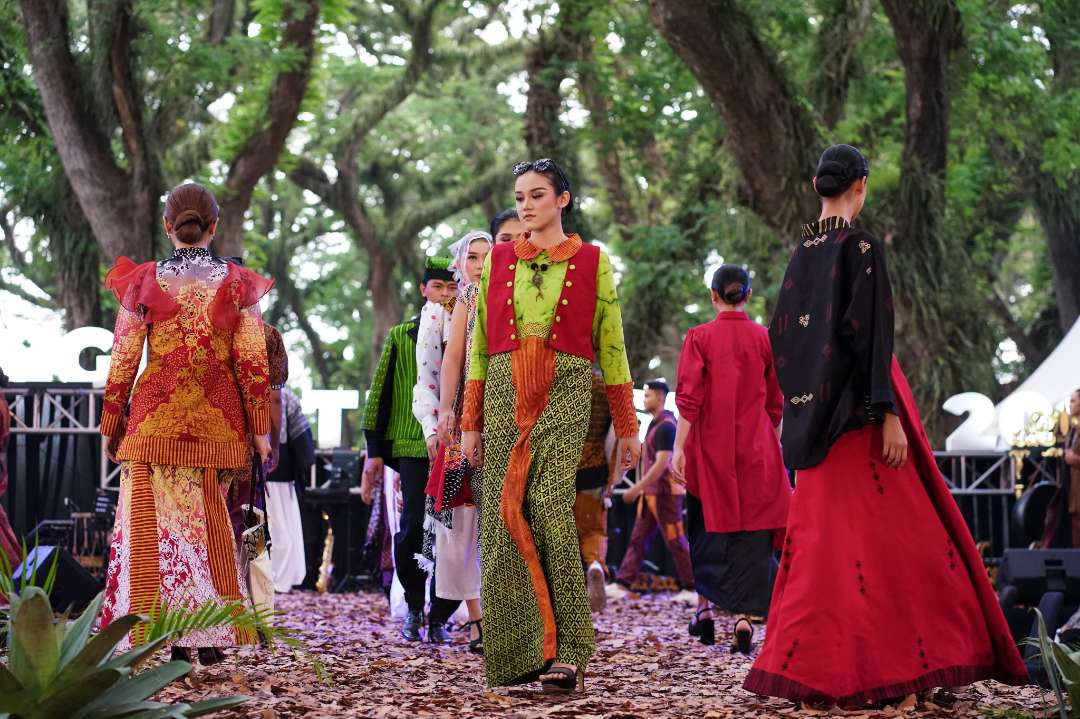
{"points": [[572, 325]]}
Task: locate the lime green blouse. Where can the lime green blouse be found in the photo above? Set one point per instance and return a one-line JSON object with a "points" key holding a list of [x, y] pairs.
{"points": [[534, 309]]}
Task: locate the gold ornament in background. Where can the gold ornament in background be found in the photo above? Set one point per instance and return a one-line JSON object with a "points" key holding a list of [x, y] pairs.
{"points": [[1041, 430], [326, 569]]}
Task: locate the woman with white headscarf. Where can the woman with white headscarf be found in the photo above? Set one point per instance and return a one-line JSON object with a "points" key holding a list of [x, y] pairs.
{"points": [[453, 536]]}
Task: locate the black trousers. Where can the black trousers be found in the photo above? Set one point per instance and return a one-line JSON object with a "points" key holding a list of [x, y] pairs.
{"points": [[409, 542], [733, 570]]}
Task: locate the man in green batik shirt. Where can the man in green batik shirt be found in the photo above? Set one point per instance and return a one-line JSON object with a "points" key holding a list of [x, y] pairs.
{"points": [[395, 438]]}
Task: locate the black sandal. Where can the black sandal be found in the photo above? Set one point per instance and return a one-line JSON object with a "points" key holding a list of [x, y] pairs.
{"points": [[570, 680], [476, 646], [703, 629], [743, 637]]}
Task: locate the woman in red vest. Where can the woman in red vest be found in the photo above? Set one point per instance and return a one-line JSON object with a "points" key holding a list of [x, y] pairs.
{"points": [[727, 449], [880, 592], [547, 310]]}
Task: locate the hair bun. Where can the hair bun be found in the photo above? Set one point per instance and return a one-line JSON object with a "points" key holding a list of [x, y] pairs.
{"points": [[827, 185], [187, 216]]}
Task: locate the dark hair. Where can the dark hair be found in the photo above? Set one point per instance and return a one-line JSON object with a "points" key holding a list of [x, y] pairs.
{"points": [[839, 167], [551, 170], [732, 283], [191, 209], [3, 378], [500, 219], [658, 385]]}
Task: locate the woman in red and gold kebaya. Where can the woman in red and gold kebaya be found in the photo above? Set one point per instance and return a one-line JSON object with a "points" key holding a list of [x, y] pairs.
{"points": [[189, 417], [547, 311]]}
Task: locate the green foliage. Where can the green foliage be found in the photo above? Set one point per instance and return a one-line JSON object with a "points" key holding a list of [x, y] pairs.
{"points": [[58, 669], [1062, 666]]}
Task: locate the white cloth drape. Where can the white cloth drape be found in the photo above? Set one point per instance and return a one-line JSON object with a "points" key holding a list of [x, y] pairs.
{"points": [[457, 556], [286, 535]]}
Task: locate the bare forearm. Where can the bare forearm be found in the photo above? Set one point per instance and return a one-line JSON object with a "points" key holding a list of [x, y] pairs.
{"points": [[662, 464], [682, 432]]}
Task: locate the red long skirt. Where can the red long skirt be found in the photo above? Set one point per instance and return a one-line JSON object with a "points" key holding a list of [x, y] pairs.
{"points": [[881, 592]]}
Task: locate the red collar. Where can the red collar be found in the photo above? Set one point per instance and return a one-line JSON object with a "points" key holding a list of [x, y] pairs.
{"points": [[526, 250], [740, 315]]}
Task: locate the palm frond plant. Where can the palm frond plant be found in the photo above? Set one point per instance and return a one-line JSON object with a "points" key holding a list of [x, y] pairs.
{"points": [[1062, 666]]}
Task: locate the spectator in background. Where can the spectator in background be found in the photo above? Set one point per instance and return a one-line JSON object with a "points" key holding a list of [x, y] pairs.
{"points": [[1072, 460], [593, 480], [661, 508], [295, 455]]}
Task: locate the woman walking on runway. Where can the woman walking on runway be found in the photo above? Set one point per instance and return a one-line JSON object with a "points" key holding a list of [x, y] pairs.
{"points": [[204, 392], [880, 592], [547, 309], [728, 451]]}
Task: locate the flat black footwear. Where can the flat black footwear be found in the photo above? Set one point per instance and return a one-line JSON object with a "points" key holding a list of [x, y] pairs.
{"points": [[743, 637], [569, 680], [438, 634], [410, 628], [703, 629], [179, 654], [476, 646], [210, 655]]}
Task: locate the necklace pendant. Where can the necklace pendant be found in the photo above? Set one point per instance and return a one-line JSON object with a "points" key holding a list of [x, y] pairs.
{"points": [[537, 280]]}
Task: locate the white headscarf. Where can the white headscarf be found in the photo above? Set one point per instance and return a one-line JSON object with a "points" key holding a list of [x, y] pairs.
{"points": [[460, 252]]}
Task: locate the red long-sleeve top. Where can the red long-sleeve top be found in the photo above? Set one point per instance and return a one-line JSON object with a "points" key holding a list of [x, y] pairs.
{"points": [[727, 389]]}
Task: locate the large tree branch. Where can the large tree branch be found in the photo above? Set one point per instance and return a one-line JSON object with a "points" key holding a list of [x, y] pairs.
{"points": [[22, 294], [608, 153], [776, 145], [341, 196], [100, 185], [373, 111], [261, 151], [839, 44], [222, 18], [428, 213]]}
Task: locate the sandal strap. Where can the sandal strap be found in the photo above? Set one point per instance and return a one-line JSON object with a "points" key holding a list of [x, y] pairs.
{"points": [[701, 611]]}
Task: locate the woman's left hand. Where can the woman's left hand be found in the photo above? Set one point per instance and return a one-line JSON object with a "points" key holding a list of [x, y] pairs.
{"points": [[262, 446], [894, 442], [628, 450]]}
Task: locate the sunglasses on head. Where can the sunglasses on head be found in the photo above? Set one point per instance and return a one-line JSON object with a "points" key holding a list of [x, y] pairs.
{"points": [[542, 165]]}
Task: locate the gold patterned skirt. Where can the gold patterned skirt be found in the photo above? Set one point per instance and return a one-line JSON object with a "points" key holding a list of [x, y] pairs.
{"points": [[173, 546]]}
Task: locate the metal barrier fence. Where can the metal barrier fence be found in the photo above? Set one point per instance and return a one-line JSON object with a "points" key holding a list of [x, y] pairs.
{"points": [[984, 483]]}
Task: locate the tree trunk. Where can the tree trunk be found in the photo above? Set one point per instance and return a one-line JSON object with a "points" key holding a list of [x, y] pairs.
{"points": [[547, 64], [839, 43], [114, 202], [385, 299], [1057, 200], [1058, 209], [776, 147], [622, 209], [261, 151], [943, 355]]}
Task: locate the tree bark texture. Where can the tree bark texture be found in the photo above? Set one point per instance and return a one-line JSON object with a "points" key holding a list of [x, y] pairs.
{"points": [[261, 151], [776, 146]]}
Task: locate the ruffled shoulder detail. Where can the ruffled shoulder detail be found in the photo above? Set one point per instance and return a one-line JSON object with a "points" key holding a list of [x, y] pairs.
{"points": [[241, 290], [137, 290]]}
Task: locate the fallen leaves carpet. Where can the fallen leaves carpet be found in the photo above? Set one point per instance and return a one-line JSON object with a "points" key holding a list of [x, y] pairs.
{"points": [[645, 666]]}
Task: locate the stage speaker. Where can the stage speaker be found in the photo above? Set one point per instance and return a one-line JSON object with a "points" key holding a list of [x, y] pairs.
{"points": [[1036, 571], [74, 586]]}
